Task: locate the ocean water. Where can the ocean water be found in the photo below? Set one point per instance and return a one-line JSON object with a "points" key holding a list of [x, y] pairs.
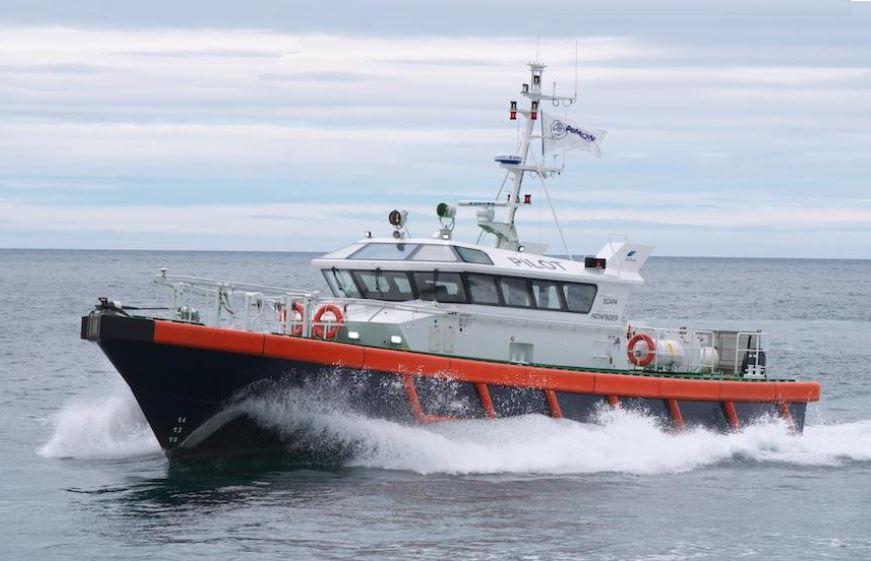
{"points": [[83, 478]]}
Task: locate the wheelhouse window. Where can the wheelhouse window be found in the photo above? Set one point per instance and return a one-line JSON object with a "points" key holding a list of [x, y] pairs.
{"points": [[470, 255], [482, 289], [579, 297], [385, 251], [441, 287], [515, 292], [433, 252], [385, 285], [546, 294], [341, 283]]}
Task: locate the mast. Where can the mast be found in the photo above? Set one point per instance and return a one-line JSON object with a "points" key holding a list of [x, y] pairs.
{"points": [[518, 164], [533, 92]]}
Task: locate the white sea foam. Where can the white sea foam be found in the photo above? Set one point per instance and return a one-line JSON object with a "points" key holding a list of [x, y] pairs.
{"points": [[618, 442], [102, 428]]}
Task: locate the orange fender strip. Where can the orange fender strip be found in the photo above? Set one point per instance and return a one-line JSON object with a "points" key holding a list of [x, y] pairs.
{"points": [[553, 403], [478, 371], [629, 386], [703, 390], [747, 391], [731, 415], [209, 338], [383, 360], [486, 402], [676, 416], [487, 372], [295, 348], [797, 391]]}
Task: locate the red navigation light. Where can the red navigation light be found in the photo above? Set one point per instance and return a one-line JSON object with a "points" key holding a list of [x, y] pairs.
{"points": [[594, 263], [527, 199], [513, 116], [534, 115]]}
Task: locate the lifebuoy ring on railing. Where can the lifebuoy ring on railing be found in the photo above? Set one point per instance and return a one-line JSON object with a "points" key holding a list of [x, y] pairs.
{"points": [[319, 329], [636, 358], [298, 312]]}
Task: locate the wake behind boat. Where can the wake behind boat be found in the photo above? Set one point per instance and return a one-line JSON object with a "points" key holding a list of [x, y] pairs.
{"points": [[424, 330]]}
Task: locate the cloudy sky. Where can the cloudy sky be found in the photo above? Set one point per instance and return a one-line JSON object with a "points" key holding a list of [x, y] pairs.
{"points": [[738, 129]]}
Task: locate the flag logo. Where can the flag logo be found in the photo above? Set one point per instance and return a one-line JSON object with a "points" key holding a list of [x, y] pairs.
{"points": [[558, 129]]}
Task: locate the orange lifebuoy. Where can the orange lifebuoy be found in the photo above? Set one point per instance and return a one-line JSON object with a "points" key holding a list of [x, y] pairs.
{"points": [[298, 315], [634, 358], [319, 329]]}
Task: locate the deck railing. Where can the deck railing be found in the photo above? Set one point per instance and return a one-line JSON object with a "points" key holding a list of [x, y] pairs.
{"points": [[271, 309]]}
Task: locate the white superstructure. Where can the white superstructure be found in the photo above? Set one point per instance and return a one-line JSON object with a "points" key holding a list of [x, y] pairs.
{"points": [[507, 301]]}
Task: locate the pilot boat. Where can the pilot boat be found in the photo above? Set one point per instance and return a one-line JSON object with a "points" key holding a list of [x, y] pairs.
{"points": [[435, 330]]}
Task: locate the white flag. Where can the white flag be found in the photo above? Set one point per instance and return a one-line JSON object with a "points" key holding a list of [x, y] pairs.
{"points": [[560, 134]]}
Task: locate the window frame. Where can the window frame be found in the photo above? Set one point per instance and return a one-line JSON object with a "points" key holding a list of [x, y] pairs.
{"points": [[560, 294], [494, 278], [525, 281], [565, 286], [412, 257], [354, 256], [364, 291], [435, 276]]}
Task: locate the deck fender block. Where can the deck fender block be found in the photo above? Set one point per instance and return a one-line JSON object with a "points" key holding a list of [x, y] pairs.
{"points": [[208, 338], [311, 350], [386, 360], [797, 391], [747, 391], [487, 372], [699, 390], [627, 386]]}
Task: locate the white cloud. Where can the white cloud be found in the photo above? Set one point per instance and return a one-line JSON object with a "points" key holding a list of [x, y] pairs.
{"points": [[388, 117]]}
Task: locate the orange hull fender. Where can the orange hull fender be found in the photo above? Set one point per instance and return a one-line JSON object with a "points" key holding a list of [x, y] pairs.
{"points": [[702, 390], [292, 348], [797, 391], [629, 386], [385, 360], [747, 391], [487, 372], [209, 338]]}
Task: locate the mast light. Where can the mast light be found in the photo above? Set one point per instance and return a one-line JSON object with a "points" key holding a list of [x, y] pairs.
{"points": [[527, 199]]}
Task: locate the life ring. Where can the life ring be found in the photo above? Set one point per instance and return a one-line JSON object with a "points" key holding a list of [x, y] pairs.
{"points": [[651, 350], [319, 330], [298, 315]]}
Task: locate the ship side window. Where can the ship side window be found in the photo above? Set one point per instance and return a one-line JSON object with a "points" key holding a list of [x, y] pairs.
{"points": [[546, 295], [441, 287], [482, 289], [341, 283], [433, 252], [579, 297], [385, 251], [515, 292], [385, 285], [470, 255]]}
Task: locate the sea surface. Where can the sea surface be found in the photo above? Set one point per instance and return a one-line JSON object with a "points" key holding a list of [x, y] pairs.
{"points": [[81, 476]]}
